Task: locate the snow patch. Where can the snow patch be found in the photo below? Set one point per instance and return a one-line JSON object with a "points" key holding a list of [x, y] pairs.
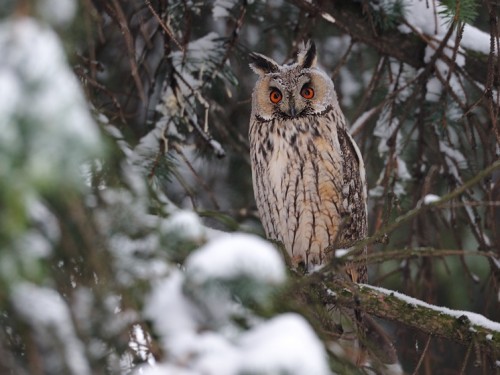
{"points": [[431, 198], [186, 224], [51, 320], [39, 90], [427, 20], [236, 255], [283, 345], [222, 8]]}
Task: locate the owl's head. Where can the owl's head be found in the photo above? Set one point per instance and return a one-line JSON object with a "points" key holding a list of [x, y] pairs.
{"points": [[291, 91]]}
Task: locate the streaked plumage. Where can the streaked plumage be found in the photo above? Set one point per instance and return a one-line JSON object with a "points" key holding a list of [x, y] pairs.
{"points": [[308, 174]]}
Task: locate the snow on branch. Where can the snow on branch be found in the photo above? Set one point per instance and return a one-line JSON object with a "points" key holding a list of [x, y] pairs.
{"points": [[462, 327]]}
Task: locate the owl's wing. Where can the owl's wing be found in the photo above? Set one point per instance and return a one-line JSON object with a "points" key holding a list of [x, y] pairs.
{"points": [[354, 211]]}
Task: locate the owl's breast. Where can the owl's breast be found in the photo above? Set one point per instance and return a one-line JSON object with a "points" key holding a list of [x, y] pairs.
{"points": [[298, 187]]}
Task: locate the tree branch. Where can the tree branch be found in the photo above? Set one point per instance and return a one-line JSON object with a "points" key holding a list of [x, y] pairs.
{"points": [[423, 207], [460, 326], [408, 48]]}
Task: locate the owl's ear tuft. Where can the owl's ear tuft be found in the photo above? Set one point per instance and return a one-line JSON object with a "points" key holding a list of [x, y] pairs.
{"points": [[307, 55], [261, 64]]}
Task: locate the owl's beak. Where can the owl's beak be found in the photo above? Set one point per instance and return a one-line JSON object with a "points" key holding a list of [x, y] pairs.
{"points": [[291, 109]]}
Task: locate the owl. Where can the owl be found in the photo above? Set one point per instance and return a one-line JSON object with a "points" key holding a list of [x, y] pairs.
{"points": [[307, 171]]}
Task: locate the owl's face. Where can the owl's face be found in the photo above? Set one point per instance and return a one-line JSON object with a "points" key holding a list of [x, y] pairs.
{"points": [[290, 91]]}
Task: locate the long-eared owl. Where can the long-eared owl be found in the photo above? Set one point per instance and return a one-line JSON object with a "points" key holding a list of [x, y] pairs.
{"points": [[308, 173]]}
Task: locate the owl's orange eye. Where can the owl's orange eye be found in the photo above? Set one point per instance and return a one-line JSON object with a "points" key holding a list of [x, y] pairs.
{"points": [[307, 92], [275, 96]]}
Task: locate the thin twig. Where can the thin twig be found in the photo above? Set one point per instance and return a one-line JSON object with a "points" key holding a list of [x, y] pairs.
{"points": [[164, 26], [388, 228], [415, 372]]}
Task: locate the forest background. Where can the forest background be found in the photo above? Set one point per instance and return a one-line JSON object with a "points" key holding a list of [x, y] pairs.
{"points": [[124, 164]]}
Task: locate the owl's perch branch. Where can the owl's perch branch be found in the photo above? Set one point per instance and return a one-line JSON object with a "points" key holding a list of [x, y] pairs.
{"points": [[459, 326]]}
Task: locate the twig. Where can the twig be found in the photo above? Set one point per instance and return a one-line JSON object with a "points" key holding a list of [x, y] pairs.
{"points": [[421, 207], [129, 42], [415, 372], [164, 25]]}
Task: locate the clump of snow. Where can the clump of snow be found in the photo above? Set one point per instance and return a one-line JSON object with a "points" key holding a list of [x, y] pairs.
{"points": [[52, 323], [186, 224], [222, 7], [285, 344], [234, 256], [198, 331], [476, 40], [45, 124], [431, 198], [167, 295], [424, 16]]}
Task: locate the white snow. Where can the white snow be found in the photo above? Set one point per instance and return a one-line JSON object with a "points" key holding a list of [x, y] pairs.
{"points": [[385, 127], [327, 17], [196, 328], [434, 89], [47, 313], [236, 255], [431, 198], [184, 223], [221, 8], [454, 160], [167, 296], [424, 17], [476, 40], [284, 344], [474, 318], [39, 90]]}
